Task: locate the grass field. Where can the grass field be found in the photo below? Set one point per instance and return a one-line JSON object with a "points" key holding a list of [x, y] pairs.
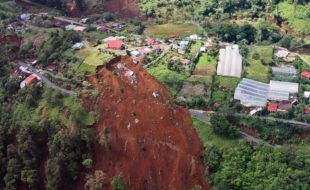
{"points": [[206, 65], [195, 48], [207, 136], [224, 88], [171, 79], [258, 69], [297, 17], [170, 29], [92, 58]]}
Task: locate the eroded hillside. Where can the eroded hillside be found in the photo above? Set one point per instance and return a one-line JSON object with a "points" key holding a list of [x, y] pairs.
{"points": [[153, 144]]}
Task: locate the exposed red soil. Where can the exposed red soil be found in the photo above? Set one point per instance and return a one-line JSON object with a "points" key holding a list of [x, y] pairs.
{"points": [[122, 8], [153, 143], [11, 39]]}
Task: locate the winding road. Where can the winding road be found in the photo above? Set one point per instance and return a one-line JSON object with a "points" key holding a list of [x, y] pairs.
{"points": [[46, 80]]}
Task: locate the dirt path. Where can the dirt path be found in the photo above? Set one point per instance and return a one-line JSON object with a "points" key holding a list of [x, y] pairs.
{"points": [[152, 141]]}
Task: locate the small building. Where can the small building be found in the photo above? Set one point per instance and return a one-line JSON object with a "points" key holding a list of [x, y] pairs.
{"points": [[307, 110], [70, 26], [186, 61], [284, 106], [145, 51], [194, 37], [101, 28], [306, 74], [30, 79], [135, 53], [115, 44], [33, 60], [282, 53], [51, 67], [150, 41], [307, 94], [157, 49], [80, 29], [184, 45], [203, 49], [25, 16], [272, 107], [175, 58], [138, 59], [78, 46], [84, 20]]}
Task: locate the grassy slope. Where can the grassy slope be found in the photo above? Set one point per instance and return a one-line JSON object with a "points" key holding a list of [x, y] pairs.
{"points": [[206, 65], [172, 80], [297, 18], [166, 30], [92, 58]]}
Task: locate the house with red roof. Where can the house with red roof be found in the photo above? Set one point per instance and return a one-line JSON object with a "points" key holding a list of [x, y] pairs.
{"points": [[307, 110], [115, 44], [80, 29], [137, 59], [175, 58], [272, 107], [150, 41], [186, 61], [306, 74], [145, 51], [284, 106], [30, 79]]}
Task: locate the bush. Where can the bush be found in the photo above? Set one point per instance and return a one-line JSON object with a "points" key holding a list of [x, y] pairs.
{"points": [[221, 126], [118, 183]]}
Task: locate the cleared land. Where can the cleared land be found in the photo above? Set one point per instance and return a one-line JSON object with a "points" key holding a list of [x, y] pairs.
{"points": [[166, 30], [259, 59], [206, 65], [195, 87]]}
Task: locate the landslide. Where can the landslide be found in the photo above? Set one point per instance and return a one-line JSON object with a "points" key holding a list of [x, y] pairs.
{"points": [[153, 143]]}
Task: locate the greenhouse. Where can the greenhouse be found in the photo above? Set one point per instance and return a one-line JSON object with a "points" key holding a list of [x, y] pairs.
{"points": [[230, 62], [252, 93], [279, 90], [284, 72]]}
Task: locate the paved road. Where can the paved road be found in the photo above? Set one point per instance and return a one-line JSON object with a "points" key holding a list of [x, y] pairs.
{"points": [[45, 80], [202, 115], [293, 122]]}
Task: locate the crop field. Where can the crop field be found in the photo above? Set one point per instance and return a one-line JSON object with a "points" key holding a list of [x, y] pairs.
{"points": [[206, 65], [224, 88], [195, 87], [297, 16], [166, 30], [258, 67]]}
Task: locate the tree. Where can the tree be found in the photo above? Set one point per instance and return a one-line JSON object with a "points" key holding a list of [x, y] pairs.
{"points": [[221, 126]]}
